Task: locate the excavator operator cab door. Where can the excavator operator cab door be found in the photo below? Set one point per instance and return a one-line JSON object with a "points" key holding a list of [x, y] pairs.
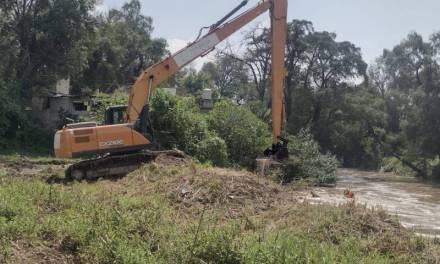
{"points": [[114, 115]]}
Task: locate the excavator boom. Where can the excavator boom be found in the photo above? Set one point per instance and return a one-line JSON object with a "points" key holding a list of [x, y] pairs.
{"points": [[153, 76]]}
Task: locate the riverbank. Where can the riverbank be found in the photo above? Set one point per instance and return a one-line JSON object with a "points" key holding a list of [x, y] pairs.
{"points": [[417, 204], [175, 211]]}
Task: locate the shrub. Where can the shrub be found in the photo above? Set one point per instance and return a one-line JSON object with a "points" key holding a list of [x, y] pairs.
{"points": [[33, 138], [392, 164], [9, 113], [18, 131], [246, 136], [434, 166], [28, 137], [307, 162], [178, 123], [260, 110], [213, 149], [431, 167]]}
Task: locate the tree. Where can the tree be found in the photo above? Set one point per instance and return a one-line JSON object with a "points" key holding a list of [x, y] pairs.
{"points": [[134, 32], [296, 60], [194, 82], [121, 49], [49, 36], [321, 75], [8, 50], [257, 59], [229, 76], [410, 83]]}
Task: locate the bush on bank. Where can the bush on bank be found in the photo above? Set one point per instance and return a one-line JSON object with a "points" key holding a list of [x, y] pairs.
{"points": [[307, 162]]}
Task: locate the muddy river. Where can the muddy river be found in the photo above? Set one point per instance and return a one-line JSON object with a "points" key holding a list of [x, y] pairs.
{"points": [[416, 204]]}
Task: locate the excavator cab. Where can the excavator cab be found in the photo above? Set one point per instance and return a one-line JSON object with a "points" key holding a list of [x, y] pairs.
{"points": [[114, 115]]}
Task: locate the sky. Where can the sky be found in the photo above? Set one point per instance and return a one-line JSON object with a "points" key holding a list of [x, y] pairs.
{"points": [[371, 25]]}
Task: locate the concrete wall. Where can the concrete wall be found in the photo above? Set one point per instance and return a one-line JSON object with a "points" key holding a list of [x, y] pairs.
{"points": [[63, 87], [47, 109]]}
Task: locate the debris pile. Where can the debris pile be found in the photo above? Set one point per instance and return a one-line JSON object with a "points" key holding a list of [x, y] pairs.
{"points": [[188, 184]]}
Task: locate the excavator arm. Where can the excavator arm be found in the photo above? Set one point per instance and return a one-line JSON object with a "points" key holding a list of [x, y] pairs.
{"points": [[279, 36]]}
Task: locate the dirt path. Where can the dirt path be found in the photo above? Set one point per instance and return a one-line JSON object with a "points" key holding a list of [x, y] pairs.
{"points": [[31, 168]]}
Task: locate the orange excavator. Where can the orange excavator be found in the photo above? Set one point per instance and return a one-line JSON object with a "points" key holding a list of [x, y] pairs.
{"points": [[124, 146]]}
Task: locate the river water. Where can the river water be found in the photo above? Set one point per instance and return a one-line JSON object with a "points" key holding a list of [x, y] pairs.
{"points": [[416, 204]]}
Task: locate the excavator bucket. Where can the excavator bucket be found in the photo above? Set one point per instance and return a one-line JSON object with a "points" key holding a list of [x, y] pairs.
{"points": [[278, 151]]}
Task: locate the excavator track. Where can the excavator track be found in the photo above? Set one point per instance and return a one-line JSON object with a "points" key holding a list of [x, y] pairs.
{"points": [[112, 166]]}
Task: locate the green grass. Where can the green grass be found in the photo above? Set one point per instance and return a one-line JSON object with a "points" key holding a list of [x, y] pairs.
{"points": [[147, 217]]}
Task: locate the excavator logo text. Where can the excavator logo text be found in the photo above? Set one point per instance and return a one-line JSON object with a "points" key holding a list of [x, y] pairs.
{"points": [[110, 143]]}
